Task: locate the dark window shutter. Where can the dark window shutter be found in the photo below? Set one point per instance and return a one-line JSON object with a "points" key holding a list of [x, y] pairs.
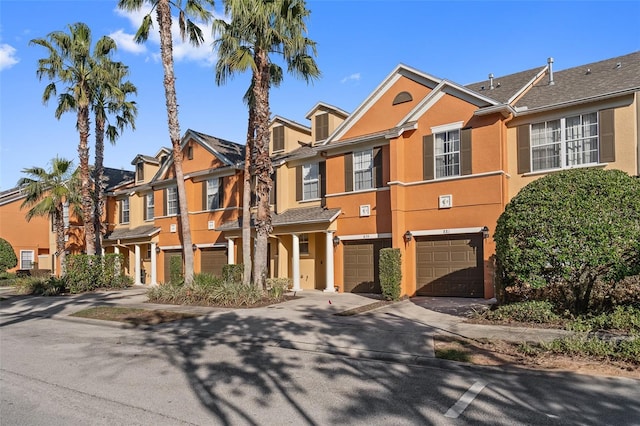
{"points": [[465, 151], [144, 209], [348, 172], [164, 202], [205, 206], [322, 172], [427, 154], [524, 152], [377, 167], [278, 138], [220, 192], [120, 215], [606, 121], [322, 126], [274, 188], [298, 183]]}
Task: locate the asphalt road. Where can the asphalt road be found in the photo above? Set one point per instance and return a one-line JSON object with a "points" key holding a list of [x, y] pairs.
{"points": [[60, 372]]}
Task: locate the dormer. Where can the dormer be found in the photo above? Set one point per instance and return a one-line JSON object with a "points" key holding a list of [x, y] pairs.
{"points": [[286, 135], [325, 119], [147, 166]]}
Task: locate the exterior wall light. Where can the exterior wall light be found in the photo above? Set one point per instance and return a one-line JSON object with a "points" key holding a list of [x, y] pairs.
{"points": [[194, 247], [158, 250], [485, 232], [407, 237], [336, 241]]}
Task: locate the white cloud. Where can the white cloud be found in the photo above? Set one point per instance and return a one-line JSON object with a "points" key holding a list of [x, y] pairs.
{"points": [[352, 77], [182, 50], [8, 56]]}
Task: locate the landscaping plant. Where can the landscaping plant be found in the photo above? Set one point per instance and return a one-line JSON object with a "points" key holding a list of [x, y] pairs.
{"points": [[8, 257], [390, 273]]}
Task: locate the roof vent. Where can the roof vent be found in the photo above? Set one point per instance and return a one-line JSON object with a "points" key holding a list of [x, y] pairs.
{"points": [[618, 65], [491, 81], [481, 87], [550, 63], [588, 71]]}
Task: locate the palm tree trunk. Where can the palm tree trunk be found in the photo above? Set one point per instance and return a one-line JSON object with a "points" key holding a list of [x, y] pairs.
{"points": [[87, 201], [98, 190], [246, 200], [60, 244], [263, 168], [166, 51]]}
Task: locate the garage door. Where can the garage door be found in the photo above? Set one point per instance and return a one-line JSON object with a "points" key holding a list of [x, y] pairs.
{"points": [[450, 266], [212, 261], [361, 265], [168, 255]]}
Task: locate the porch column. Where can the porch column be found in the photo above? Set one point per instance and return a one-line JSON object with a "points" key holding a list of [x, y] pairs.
{"points": [[295, 266], [329, 262], [154, 263], [116, 249], [136, 269], [231, 256]]}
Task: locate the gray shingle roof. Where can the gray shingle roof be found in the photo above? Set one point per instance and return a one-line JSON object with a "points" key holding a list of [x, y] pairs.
{"points": [[115, 177], [586, 81], [234, 152], [290, 217], [127, 234], [305, 151], [506, 86]]}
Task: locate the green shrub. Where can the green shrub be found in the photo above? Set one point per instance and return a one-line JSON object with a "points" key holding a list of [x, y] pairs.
{"points": [[623, 318], [237, 294], [569, 229], [206, 280], [8, 257], [277, 287], [233, 272], [7, 276], [40, 286], [175, 270], [390, 273], [87, 273], [620, 350], [531, 311]]}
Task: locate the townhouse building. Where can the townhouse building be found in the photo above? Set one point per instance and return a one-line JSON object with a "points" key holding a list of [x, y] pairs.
{"points": [[423, 164]]}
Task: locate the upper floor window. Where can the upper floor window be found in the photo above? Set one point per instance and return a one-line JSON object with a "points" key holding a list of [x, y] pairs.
{"points": [[124, 210], [310, 181], [140, 171], [212, 195], [322, 126], [27, 259], [278, 138], [172, 201], [149, 206], [564, 142], [189, 152], [447, 153], [362, 170]]}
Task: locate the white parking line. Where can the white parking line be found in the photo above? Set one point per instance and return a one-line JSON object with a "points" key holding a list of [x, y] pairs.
{"points": [[465, 400]]}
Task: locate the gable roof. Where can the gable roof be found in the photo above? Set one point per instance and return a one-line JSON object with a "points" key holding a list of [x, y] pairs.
{"points": [[117, 177], [290, 123], [145, 159], [326, 107], [506, 87]]}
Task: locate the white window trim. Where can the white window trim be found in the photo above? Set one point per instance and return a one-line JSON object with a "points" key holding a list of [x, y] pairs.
{"points": [[128, 210], [146, 206], [311, 181], [300, 242], [214, 193], [447, 128], [33, 258], [172, 189], [563, 145]]}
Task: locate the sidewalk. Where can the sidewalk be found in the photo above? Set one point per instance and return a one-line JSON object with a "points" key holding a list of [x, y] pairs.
{"points": [[401, 331]]}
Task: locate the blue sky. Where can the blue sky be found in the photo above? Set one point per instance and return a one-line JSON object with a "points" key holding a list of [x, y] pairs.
{"points": [[359, 44]]}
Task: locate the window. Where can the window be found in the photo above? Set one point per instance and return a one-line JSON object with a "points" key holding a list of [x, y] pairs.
{"points": [[565, 142], [149, 212], [26, 259], [362, 170], [322, 126], [172, 201], [140, 171], [303, 240], [65, 214], [124, 210], [213, 196], [189, 152], [310, 181], [278, 138], [447, 153]]}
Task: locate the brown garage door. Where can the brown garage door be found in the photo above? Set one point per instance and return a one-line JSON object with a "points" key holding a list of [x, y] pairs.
{"points": [[168, 255], [212, 261], [361, 265], [450, 266]]}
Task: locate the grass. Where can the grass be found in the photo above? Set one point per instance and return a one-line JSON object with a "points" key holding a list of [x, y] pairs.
{"points": [[133, 316]]}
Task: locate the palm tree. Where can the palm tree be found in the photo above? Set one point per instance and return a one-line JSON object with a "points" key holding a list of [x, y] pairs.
{"points": [[110, 97], [72, 64], [188, 29], [261, 28], [47, 194]]}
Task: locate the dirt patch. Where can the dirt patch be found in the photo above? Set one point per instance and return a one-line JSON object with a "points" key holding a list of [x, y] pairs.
{"points": [[501, 353], [133, 316]]}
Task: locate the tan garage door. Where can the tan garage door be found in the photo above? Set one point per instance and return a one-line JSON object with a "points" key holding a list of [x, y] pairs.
{"points": [[361, 265], [212, 261], [450, 266], [168, 255]]}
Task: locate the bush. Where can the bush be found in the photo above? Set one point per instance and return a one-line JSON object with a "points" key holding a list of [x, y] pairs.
{"points": [[531, 311], [390, 273], [569, 229], [175, 270], [233, 273], [623, 318], [87, 273], [40, 286], [620, 350], [277, 287], [8, 257]]}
